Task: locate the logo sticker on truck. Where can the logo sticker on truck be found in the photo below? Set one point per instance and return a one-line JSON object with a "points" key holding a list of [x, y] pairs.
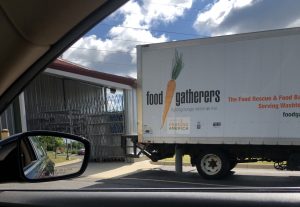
{"points": [[177, 65], [178, 125], [186, 96]]}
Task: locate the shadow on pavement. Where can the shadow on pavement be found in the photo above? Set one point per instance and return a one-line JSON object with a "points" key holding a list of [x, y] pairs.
{"points": [[98, 167], [157, 178]]}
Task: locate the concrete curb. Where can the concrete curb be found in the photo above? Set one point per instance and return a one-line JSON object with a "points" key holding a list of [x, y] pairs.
{"points": [[241, 165], [255, 166], [133, 160]]}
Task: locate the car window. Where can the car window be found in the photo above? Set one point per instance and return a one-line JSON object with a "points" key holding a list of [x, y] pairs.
{"points": [[175, 94]]}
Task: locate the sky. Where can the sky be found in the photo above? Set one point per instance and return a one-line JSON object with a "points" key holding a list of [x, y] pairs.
{"points": [[110, 46]]}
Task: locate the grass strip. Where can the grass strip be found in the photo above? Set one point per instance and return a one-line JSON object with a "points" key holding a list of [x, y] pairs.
{"points": [[59, 157]]}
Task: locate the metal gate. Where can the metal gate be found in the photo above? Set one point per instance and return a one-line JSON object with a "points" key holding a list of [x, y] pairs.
{"points": [[58, 104]]}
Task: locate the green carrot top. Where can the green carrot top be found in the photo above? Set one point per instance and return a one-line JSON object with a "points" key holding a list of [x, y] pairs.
{"points": [[177, 65]]}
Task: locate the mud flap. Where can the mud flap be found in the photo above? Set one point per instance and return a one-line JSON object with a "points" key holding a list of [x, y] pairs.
{"points": [[293, 162]]}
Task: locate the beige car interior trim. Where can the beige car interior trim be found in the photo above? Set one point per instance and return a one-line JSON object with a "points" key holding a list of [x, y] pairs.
{"points": [[24, 36]]}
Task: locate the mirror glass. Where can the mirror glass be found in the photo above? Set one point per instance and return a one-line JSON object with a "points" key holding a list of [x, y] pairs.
{"points": [[49, 156]]}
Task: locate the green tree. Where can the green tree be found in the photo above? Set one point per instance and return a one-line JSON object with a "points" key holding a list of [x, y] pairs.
{"points": [[50, 143]]}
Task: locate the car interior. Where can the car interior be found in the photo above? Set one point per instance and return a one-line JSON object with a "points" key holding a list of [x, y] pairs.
{"points": [[33, 34], [27, 153]]}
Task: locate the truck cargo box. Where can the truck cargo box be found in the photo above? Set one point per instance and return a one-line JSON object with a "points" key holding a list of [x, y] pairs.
{"points": [[238, 89]]}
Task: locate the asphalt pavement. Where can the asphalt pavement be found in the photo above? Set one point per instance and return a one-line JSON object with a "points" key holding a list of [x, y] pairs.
{"points": [[166, 177], [68, 168], [143, 174]]}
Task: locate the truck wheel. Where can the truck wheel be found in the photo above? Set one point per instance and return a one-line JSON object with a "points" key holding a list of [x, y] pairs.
{"points": [[213, 165]]}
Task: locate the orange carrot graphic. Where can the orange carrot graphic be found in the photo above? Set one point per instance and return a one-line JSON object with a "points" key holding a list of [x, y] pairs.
{"points": [[177, 65]]}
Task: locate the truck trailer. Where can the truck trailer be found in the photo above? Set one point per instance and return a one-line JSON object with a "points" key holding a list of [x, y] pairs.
{"points": [[221, 100]]}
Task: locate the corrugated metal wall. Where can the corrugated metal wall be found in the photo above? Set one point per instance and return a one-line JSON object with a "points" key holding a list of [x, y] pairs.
{"points": [[54, 103], [10, 119], [7, 120]]}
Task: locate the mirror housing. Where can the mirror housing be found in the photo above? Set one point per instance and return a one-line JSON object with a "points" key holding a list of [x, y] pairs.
{"points": [[13, 157]]}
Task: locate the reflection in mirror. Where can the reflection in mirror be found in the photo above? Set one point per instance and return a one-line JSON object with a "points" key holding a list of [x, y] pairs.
{"points": [[49, 156]]}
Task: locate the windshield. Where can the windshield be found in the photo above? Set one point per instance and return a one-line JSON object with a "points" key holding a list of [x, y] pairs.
{"points": [[175, 94]]}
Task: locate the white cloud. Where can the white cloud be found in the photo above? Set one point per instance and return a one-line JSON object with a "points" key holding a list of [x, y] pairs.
{"points": [[98, 53], [215, 14], [167, 11], [239, 16], [295, 23]]}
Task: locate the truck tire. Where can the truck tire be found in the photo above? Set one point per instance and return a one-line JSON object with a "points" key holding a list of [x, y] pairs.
{"points": [[233, 164], [213, 165]]}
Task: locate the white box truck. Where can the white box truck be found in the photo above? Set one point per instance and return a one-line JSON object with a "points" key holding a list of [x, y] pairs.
{"points": [[222, 100]]}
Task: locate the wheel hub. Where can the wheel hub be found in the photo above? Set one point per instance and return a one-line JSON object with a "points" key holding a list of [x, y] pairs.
{"points": [[211, 164]]}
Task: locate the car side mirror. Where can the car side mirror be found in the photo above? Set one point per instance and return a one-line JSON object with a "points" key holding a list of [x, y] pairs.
{"points": [[38, 156]]}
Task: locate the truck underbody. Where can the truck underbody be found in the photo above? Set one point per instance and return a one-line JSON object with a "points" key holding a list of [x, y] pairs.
{"points": [[215, 161]]}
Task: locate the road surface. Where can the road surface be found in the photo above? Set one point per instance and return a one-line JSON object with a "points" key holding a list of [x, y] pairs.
{"points": [[166, 177], [144, 175]]}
